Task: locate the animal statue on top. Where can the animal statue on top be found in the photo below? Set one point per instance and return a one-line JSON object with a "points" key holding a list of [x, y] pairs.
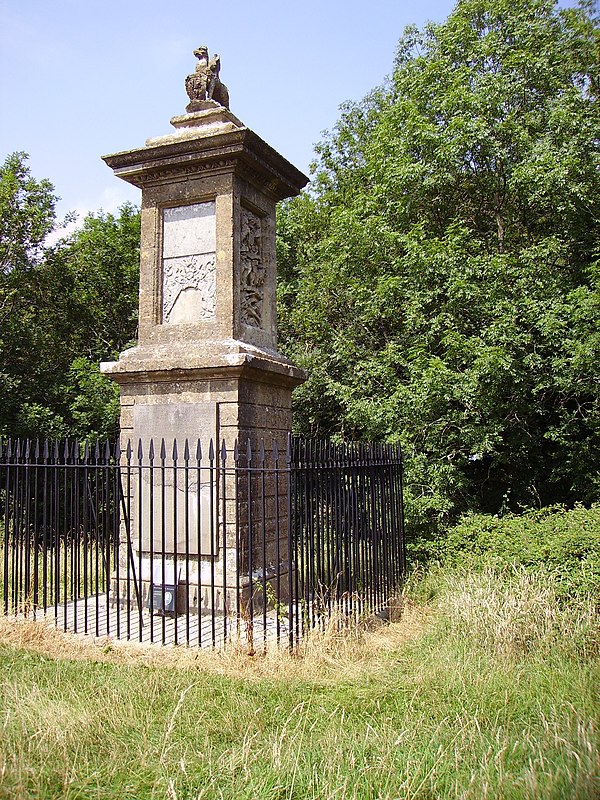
{"points": [[205, 84]]}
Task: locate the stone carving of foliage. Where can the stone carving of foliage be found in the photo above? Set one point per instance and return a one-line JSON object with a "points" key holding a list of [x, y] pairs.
{"points": [[253, 270], [190, 272]]}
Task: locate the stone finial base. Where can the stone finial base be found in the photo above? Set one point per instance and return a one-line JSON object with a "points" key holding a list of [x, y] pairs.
{"points": [[207, 119]]}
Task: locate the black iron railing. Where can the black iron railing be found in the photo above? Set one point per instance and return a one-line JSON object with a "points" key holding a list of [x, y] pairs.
{"points": [[200, 545]]}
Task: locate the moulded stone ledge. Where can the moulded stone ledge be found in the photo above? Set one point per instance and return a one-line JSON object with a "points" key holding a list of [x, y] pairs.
{"points": [[152, 364]]}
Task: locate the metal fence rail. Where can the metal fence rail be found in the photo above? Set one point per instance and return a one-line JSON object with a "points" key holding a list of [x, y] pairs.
{"points": [[348, 526], [199, 545]]}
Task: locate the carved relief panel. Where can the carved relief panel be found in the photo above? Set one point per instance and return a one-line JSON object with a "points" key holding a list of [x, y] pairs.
{"points": [[252, 280], [189, 265]]}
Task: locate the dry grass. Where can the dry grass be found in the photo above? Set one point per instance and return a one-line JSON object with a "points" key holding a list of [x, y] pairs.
{"points": [[516, 612], [332, 655]]}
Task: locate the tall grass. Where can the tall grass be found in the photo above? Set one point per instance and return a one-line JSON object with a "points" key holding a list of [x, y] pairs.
{"points": [[509, 611], [486, 690]]}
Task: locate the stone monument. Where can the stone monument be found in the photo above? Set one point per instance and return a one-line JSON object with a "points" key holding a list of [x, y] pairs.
{"points": [[206, 364]]}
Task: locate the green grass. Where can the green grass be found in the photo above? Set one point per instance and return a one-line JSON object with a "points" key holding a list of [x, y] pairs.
{"points": [[495, 695]]}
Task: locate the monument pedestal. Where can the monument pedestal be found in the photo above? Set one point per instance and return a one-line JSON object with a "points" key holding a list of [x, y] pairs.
{"points": [[206, 365]]}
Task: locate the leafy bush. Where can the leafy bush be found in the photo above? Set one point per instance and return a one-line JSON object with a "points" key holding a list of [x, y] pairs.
{"points": [[564, 542]]}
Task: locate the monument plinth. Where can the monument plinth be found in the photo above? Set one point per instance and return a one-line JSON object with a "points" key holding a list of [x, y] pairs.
{"points": [[206, 364]]}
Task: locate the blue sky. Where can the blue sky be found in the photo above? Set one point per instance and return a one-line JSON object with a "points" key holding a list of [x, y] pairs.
{"points": [[82, 78]]}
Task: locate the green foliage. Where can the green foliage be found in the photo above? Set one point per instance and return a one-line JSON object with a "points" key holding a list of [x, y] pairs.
{"points": [[441, 283], [93, 402], [65, 308], [563, 542], [26, 215], [101, 263]]}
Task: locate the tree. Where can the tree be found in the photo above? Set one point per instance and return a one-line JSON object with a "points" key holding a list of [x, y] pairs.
{"points": [[441, 284], [26, 217], [63, 309], [100, 262]]}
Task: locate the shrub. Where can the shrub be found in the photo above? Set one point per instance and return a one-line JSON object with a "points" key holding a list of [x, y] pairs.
{"points": [[563, 542]]}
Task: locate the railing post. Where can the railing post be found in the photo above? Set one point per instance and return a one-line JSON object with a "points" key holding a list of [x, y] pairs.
{"points": [[223, 538], [5, 451]]}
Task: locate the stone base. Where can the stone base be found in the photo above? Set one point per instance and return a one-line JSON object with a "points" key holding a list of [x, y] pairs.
{"points": [[206, 119], [251, 392], [205, 599]]}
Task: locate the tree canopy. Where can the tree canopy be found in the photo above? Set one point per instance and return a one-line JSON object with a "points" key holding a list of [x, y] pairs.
{"points": [[63, 309], [441, 282]]}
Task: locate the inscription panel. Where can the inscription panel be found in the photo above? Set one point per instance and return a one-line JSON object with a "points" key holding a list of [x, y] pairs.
{"points": [[176, 501], [189, 265]]}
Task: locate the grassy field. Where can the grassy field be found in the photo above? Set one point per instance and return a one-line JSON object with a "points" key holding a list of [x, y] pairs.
{"points": [[487, 687]]}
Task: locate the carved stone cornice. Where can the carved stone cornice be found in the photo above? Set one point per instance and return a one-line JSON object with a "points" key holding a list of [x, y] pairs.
{"points": [[239, 151]]}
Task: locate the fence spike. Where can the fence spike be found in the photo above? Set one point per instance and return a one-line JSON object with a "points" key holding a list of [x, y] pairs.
{"points": [[288, 449], [199, 451], [163, 450], [211, 451], [351, 518], [175, 451], [151, 451], [186, 450], [140, 450]]}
